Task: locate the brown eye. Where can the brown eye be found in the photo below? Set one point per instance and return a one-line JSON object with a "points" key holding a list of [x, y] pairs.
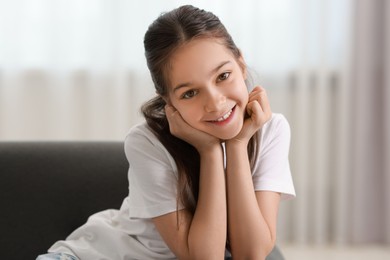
{"points": [[223, 76], [189, 94]]}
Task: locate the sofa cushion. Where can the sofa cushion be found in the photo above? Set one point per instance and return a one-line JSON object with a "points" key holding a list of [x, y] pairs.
{"points": [[48, 189]]}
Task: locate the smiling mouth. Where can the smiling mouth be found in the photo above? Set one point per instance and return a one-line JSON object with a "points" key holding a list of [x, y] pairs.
{"points": [[225, 116]]}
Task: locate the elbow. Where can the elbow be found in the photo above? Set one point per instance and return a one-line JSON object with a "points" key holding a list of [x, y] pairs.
{"points": [[268, 246], [202, 256], [260, 253], [204, 253], [255, 252]]}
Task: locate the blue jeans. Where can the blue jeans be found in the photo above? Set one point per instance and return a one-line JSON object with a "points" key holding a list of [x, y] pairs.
{"points": [[274, 255], [56, 256]]}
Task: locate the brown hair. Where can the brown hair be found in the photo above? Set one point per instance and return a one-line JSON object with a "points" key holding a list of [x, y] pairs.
{"points": [[167, 33]]}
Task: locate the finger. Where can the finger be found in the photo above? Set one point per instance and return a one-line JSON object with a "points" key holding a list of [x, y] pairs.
{"points": [[252, 94], [256, 95], [175, 120], [261, 96], [169, 110], [257, 89], [264, 103], [263, 99], [171, 114], [256, 92], [255, 112]]}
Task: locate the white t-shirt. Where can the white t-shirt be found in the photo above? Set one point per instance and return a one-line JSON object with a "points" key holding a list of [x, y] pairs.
{"points": [[129, 233]]}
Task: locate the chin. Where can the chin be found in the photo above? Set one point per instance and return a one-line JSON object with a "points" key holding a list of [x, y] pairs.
{"points": [[231, 134]]}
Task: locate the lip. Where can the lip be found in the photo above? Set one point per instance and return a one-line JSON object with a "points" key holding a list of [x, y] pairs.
{"points": [[226, 120]]}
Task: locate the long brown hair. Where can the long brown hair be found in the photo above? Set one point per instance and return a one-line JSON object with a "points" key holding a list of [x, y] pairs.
{"points": [[166, 34]]}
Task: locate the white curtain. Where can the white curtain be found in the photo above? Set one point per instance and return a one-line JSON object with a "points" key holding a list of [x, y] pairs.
{"points": [[75, 70], [340, 121], [370, 118]]}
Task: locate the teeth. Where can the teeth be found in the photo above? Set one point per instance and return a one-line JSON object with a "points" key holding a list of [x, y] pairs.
{"points": [[224, 117]]}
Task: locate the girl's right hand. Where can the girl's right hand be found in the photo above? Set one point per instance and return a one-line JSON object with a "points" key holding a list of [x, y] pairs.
{"points": [[181, 129]]}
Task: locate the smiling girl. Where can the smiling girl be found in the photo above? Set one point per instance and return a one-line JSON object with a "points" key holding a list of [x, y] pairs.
{"points": [[209, 166]]}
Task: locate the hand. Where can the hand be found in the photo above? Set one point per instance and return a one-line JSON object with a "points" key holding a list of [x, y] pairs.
{"points": [[258, 113], [181, 129]]}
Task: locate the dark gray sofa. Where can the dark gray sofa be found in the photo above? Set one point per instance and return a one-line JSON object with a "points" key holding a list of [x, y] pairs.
{"points": [[48, 189]]}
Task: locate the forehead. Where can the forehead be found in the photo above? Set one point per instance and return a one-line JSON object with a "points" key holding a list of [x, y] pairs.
{"points": [[197, 58]]}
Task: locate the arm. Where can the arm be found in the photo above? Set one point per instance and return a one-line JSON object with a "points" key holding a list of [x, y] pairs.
{"points": [[252, 215], [203, 235]]}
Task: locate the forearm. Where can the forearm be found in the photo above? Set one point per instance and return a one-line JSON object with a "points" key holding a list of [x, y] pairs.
{"points": [[249, 235], [207, 234]]}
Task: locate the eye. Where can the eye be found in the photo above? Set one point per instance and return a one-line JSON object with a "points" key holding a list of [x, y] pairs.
{"points": [[223, 76], [189, 94]]}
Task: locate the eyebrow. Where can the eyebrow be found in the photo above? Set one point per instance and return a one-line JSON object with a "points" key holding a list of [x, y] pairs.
{"points": [[186, 84]]}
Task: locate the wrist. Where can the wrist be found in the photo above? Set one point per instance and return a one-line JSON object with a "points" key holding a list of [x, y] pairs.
{"points": [[236, 144], [211, 150]]}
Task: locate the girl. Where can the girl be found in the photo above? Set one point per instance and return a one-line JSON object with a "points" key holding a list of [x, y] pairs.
{"points": [[209, 166]]}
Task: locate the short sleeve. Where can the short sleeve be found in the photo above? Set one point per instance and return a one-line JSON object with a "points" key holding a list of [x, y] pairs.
{"points": [[152, 175], [272, 170]]}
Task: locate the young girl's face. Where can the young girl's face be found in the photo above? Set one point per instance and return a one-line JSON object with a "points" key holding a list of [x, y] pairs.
{"points": [[207, 87]]}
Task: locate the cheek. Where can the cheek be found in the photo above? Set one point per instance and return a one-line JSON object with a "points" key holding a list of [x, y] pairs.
{"points": [[245, 95], [241, 91], [187, 113]]}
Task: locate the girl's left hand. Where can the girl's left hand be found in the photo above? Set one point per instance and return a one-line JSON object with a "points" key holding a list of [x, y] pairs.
{"points": [[258, 111]]}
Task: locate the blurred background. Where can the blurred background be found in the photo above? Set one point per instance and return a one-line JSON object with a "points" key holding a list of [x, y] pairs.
{"points": [[75, 70]]}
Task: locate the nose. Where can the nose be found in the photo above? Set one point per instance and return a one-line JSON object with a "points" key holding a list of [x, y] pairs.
{"points": [[215, 101]]}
